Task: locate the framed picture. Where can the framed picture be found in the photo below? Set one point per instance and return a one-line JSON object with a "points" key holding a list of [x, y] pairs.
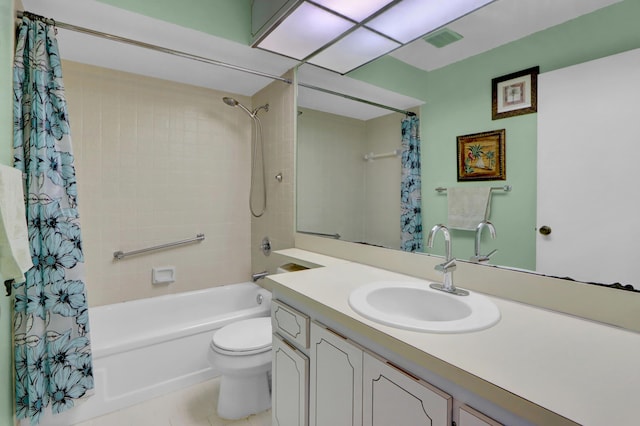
{"points": [[481, 156], [515, 94]]}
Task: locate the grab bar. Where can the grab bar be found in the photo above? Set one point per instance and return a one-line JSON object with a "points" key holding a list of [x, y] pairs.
{"points": [[321, 234], [117, 255]]}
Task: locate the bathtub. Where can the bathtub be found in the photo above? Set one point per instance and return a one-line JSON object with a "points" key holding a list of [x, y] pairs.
{"points": [[148, 347]]}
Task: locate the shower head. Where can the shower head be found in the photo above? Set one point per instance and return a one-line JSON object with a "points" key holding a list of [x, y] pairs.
{"points": [[230, 101], [234, 103]]}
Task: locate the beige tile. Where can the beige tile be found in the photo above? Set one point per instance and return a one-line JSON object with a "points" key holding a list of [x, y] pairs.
{"points": [[155, 156]]}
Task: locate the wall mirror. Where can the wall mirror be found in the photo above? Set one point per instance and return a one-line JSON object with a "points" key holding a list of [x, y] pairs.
{"points": [[342, 195], [348, 157]]}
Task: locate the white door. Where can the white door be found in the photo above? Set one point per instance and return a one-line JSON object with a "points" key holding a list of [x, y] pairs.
{"points": [[335, 380], [290, 391], [394, 397], [589, 170]]}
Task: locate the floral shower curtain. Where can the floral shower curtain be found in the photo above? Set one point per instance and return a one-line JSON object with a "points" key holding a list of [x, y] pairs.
{"points": [[411, 199], [53, 362]]}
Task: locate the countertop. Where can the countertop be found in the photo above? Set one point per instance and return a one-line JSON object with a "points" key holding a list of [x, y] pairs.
{"points": [[581, 370]]}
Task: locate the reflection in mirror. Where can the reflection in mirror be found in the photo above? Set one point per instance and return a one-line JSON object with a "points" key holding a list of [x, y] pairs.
{"points": [[349, 171], [458, 96]]}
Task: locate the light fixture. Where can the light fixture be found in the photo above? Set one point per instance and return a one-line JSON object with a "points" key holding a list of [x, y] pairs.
{"points": [[307, 29], [353, 50], [342, 35]]}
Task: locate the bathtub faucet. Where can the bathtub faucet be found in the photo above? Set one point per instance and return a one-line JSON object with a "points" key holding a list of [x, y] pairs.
{"points": [[259, 275]]}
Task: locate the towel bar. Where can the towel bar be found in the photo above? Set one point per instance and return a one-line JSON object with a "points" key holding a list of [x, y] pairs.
{"points": [[371, 156], [505, 188]]}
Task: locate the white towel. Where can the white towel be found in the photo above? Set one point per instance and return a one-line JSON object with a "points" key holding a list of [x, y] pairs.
{"points": [[15, 255], [468, 207]]}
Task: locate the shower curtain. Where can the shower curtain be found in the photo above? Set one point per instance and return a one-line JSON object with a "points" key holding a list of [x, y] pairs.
{"points": [[411, 199], [53, 364]]}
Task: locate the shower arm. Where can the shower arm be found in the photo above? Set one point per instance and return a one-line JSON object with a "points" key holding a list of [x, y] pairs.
{"points": [[264, 107]]}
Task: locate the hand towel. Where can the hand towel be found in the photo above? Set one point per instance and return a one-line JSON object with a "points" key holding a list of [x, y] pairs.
{"points": [[468, 207], [15, 255]]}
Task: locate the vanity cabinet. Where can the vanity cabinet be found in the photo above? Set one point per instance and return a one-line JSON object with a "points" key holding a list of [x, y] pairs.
{"points": [[393, 396], [336, 379], [322, 378]]}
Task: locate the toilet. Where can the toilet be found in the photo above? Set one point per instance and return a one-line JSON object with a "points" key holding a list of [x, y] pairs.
{"points": [[241, 352]]}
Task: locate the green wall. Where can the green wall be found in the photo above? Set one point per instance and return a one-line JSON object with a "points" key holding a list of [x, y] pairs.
{"points": [[458, 102], [230, 19], [6, 136]]}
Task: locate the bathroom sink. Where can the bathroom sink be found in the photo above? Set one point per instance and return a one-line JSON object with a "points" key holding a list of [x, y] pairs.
{"points": [[415, 306]]}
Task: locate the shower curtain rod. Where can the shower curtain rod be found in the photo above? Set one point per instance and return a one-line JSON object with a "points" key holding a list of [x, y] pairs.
{"points": [[71, 27], [58, 24], [353, 98]]}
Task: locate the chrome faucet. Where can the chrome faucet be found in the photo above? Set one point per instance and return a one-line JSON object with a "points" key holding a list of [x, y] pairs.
{"points": [[477, 257], [259, 275], [449, 264]]}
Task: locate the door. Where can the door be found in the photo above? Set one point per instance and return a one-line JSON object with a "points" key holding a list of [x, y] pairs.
{"points": [[588, 196]]}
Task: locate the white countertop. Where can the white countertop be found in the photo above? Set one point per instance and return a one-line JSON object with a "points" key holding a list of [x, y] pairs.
{"points": [[581, 370]]}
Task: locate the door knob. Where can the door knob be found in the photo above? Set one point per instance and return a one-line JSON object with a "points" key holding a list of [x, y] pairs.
{"points": [[545, 230]]}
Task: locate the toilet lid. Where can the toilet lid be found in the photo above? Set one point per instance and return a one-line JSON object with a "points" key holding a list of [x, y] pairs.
{"points": [[246, 335]]}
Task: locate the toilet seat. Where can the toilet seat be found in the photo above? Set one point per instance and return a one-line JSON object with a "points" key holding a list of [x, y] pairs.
{"points": [[246, 337]]}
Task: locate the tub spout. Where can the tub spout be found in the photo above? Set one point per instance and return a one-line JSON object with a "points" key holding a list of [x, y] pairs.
{"points": [[259, 275]]}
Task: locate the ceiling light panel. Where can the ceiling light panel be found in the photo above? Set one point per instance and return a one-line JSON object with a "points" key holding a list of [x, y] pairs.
{"points": [[411, 19], [358, 10], [357, 48], [305, 30]]}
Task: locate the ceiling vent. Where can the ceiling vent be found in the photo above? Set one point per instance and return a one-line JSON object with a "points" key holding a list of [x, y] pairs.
{"points": [[442, 38]]}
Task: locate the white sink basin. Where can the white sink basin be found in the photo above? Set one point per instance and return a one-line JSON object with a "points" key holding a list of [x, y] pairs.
{"points": [[415, 306]]}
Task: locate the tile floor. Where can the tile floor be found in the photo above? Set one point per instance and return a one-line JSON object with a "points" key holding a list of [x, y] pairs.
{"points": [[193, 406]]}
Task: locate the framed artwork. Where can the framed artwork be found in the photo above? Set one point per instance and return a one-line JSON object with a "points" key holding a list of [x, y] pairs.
{"points": [[481, 156], [515, 94]]}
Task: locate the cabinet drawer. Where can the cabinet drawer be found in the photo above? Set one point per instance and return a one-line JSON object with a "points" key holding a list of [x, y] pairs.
{"points": [[290, 323]]}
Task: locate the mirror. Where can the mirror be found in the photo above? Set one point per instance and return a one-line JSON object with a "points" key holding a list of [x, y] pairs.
{"points": [[349, 177], [457, 103]]}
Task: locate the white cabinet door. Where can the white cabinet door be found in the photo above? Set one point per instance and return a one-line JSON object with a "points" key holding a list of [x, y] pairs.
{"points": [[467, 416], [395, 397], [290, 390], [335, 381]]}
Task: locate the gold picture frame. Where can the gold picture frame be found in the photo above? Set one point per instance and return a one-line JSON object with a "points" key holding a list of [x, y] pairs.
{"points": [[515, 94], [481, 156]]}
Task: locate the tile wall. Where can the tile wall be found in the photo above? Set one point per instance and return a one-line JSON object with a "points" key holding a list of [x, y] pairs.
{"points": [[278, 124], [157, 162]]}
